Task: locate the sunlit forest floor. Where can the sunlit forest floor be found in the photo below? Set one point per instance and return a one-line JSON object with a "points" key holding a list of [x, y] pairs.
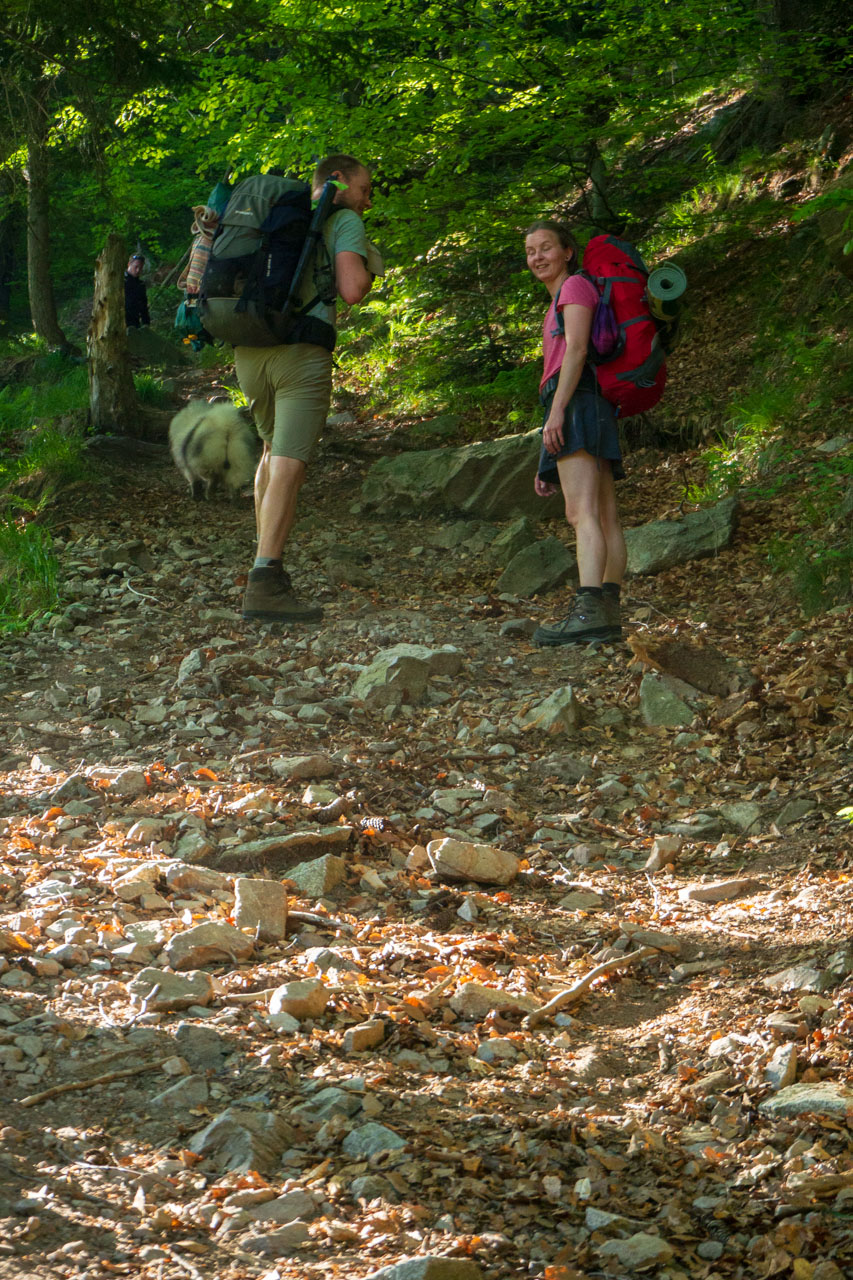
{"points": [[629, 1130]]}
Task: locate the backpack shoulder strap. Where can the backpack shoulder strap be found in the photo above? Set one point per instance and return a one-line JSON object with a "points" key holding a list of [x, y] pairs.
{"points": [[313, 243], [596, 281], [324, 273]]}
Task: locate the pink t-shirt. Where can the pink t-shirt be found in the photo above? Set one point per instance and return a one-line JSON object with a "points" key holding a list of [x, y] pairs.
{"points": [[576, 291]]}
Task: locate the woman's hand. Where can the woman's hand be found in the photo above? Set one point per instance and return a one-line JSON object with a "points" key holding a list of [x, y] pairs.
{"points": [[544, 488], [552, 432]]}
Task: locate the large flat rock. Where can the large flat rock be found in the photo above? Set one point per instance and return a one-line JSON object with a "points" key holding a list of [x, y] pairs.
{"points": [[492, 480], [664, 543]]}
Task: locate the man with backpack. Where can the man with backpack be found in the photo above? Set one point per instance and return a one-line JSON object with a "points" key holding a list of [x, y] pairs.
{"points": [[289, 388]]}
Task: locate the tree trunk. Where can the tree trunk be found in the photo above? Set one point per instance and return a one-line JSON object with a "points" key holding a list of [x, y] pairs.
{"points": [[39, 281], [8, 213], [112, 396]]}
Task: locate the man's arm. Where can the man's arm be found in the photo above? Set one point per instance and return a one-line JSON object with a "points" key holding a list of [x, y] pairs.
{"points": [[352, 277]]}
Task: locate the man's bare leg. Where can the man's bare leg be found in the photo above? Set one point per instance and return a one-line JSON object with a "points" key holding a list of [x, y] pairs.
{"points": [[269, 595], [262, 479], [276, 495]]}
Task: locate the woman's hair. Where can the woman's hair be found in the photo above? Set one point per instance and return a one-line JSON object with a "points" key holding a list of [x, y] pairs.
{"points": [[561, 231], [338, 163]]}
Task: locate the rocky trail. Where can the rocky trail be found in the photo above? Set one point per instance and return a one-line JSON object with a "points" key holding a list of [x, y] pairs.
{"points": [[318, 954]]}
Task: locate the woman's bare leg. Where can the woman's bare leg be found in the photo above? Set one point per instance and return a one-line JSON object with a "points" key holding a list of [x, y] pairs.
{"points": [[590, 501]]}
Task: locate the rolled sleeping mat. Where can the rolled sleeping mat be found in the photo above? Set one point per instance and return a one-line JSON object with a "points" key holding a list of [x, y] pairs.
{"points": [[665, 289]]}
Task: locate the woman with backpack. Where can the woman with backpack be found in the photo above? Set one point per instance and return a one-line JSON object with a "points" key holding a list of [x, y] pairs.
{"points": [[580, 444]]}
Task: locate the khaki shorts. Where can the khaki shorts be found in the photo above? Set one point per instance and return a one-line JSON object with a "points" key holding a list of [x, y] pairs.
{"points": [[289, 390]]}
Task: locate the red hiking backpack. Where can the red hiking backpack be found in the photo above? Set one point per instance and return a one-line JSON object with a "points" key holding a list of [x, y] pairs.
{"points": [[626, 350]]}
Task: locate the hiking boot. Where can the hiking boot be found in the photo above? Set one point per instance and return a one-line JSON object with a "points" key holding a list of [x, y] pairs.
{"points": [[269, 597], [587, 621], [613, 614]]}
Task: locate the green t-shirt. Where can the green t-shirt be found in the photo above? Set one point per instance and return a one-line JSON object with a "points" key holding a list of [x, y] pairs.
{"points": [[343, 232]]}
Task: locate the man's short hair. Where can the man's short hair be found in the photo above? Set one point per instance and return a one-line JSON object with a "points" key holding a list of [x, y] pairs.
{"points": [[337, 163]]}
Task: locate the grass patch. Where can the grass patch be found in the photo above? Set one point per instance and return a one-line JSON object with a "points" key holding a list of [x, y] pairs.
{"points": [[56, 455], [42, 415], [54, 389], [796, 401], [762, 458], [150, 390], [724, 208], [30, 439], [213, 356], [28, 575]]}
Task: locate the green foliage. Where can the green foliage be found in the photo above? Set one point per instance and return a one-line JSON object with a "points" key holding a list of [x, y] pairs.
{"points": [[800, 389], [28, 575], [237, 396], [57, 456], [461, 111], [817, 558], [460, 318], [751, 445], [719, 208], [150, 390], [724, 470], [213, 356], [53, 389], [835, 198], [798, 376], [37, 458]]}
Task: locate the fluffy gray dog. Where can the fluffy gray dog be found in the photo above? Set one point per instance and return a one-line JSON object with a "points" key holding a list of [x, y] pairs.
{"points": [[213, 445]]}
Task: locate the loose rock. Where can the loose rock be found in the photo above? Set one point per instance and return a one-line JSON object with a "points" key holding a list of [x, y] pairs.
{"points": [[454, 860]]}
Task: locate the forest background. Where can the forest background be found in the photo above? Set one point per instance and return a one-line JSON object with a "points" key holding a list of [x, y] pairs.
{"points": [[702, 133]]}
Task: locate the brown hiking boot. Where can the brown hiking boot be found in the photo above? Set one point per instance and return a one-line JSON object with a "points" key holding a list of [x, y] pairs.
{"points": [[613, 614], [586, 621], [269, 597]]}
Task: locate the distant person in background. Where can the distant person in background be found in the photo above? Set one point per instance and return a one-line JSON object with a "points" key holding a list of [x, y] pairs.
{"points": [[580, 444], [135, 294]]}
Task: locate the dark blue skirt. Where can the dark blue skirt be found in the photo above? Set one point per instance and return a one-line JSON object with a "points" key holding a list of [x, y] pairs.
{"points": [[589, 424]]}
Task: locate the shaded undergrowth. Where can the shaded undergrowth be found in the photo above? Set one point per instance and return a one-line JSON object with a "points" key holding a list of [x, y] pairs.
{"points": [[43, 405]]}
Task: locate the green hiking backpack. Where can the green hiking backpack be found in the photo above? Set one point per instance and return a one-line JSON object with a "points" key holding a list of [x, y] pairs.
{"points": [[250, 293]]}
